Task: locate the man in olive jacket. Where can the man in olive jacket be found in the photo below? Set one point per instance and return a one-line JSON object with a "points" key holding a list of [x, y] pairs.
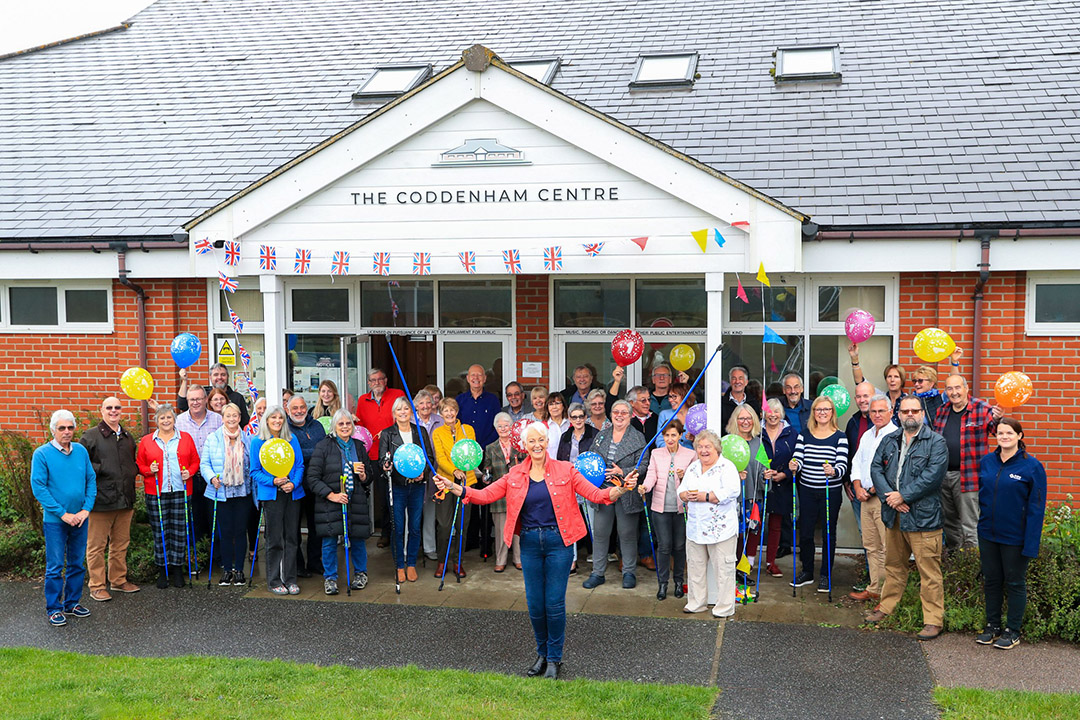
{"points": [[112, 455], [907, 471]]}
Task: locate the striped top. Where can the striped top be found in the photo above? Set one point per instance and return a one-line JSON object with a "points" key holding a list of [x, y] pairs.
{"points": [[812, 453]]}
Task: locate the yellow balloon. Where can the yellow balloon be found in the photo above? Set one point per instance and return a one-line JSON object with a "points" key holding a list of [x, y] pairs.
{"points": [[137, 384], [933, 345], [277, 457], [682, 357]]}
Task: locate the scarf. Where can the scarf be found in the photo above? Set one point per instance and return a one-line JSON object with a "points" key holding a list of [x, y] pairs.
{"points": [[348, 457], [933, 392], [232, 474]]}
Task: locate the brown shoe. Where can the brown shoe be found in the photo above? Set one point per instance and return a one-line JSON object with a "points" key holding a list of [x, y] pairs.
{"points": [[440, 571], [864, 596], [460, 571], [647, 562], [100, 595], [401, 575], [875, 617], [410, 574], [929, 632], [127, 587]]}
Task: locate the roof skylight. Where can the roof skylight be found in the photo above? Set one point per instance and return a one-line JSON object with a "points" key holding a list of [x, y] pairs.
{"points": [[393, 80], [542, 70], [665, 70], [808, 63]]}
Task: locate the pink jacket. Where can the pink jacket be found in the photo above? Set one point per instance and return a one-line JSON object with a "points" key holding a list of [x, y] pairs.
{"points": [[656, 476], [564, 484]]}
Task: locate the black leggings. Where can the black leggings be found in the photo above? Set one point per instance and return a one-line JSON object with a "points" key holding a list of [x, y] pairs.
{"points": [[1004, 572]]}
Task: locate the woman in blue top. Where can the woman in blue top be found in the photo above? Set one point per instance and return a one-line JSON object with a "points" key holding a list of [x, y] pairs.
{"points": [[225, 464], [280, 498], [1012, 502]]}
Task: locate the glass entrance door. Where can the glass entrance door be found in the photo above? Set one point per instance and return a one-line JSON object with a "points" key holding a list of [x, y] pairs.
{"points": [[353, 361]]}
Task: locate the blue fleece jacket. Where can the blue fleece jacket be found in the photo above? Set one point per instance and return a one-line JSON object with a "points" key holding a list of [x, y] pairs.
{"points": [[1012, 500], [62, 483]]}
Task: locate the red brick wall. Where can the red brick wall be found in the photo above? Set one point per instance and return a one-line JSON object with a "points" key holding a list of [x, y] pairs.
{"points": [[1051, 425], [533, 327], [76, 371]]}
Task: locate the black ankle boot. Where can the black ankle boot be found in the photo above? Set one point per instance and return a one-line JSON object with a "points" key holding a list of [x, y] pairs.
{"points": [[552, 671], [538, 667], [162, 578], [678, 589], [661, 594], [176, 575]]}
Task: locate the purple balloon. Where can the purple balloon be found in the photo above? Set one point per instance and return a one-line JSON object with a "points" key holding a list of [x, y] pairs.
{"points": [[859, 326], [697, 418], [361, 433]]}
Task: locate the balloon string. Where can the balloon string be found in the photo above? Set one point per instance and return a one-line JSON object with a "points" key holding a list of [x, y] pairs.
{"points": [[408, 396]]}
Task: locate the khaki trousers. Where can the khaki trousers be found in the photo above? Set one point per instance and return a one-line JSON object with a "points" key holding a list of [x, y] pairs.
{"points": [[112, 529], [721, 557], [873, 540], [926, 547]]}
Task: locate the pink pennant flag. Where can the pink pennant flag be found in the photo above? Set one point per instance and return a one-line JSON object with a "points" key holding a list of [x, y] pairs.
{"points": [[640, 242], [772, 366], [740, 293], [741, 224]]}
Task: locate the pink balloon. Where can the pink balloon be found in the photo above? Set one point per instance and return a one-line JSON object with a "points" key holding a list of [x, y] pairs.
{"points": [[361, 433], [627, 347], [859, 326]]}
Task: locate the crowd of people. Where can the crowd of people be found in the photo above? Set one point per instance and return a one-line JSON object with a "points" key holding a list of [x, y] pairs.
{"points": [[916, 468]]}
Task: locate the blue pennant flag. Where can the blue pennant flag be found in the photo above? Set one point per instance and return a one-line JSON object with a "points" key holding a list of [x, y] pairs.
{"points": [[770, 336], [718, 238]]}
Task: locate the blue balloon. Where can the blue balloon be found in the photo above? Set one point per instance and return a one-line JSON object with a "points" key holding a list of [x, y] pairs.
{"points": [[592, 466], [409, 461], [290, 341], [186, 350]]}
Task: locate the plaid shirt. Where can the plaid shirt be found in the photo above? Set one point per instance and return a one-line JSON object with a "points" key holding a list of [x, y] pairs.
{"points": [[976, 425]]}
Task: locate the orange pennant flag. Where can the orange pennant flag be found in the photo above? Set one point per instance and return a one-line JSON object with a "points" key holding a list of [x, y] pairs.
{"points": [[640, 242], [762, 277], [701, 237]]}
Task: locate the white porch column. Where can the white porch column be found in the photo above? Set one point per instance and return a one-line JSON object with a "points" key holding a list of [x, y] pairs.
{"points": [[273, 292], [714, 308]]}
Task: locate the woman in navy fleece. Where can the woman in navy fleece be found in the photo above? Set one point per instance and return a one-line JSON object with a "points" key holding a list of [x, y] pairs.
{"points": [[1012, 502]]}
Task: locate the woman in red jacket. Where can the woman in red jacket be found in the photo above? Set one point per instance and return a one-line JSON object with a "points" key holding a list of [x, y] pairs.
{"points": [[167, 459], [541, 506]]}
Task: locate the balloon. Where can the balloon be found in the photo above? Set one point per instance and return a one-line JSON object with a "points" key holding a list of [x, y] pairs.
{"points": [[626, 348], [697, 418], [735, 449], [841, 398], [325, 422], [409, 461], [682, 357], [933, 345], [466, 454], [137, 384], [517, 433], [277, 457], [186, 349], [826, 382], [290, 341], [591, 465], [361, 433], [859, 326], [1012, 389]]}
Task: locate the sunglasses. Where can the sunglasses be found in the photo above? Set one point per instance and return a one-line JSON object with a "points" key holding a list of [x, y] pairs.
{"points": [[65, 427], [111, 407], [577, 417], [911, 412]]}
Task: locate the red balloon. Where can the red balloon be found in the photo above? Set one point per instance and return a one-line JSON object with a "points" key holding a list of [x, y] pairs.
{"points": [[627, 347]]}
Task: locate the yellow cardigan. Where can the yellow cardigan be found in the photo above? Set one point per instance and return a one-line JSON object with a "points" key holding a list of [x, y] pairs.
{"points": [[443, 440]]}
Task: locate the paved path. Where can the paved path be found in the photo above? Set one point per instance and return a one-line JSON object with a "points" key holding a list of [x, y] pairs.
{"points": [[956, 660]]}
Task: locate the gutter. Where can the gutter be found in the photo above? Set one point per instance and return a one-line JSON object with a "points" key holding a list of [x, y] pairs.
{"points": [[948, 232], [144, 360], [145, 244]]}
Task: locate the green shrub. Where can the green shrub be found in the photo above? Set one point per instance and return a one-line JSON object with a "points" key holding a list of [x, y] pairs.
{"points": [[22, 549], [17, 499]]}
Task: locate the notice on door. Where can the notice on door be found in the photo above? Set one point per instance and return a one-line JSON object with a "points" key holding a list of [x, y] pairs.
{"points": [[226, 354]]}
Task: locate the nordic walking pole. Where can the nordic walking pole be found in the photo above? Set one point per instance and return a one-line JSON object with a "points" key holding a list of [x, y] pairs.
{"points": [[345, 537], [460, 547], [794, 531], [213, 532], [450, 544], [161, 521], [255, 551], [763, 527], [828, 540], [648, 528], [187, 533], [393, 528]]}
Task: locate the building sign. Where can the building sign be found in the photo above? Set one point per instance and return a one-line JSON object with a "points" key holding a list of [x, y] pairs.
{"points": [[496, 194], [226, 355], [481, 151]]}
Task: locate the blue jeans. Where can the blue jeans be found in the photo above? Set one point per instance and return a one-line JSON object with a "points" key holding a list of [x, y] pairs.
{"points": [[407, 497], [357, 556], [65, 544], [545, 564]]}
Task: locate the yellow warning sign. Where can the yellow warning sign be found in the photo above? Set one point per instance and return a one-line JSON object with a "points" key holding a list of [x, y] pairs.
{"points": [[225, 353]]}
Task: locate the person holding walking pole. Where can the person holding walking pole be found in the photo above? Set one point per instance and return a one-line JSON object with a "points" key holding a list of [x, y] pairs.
{"points": [[408, 494], [665, 472], [225, 461], [279, 497]]}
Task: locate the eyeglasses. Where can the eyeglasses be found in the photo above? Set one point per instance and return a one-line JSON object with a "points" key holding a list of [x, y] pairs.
{"points": [[619, 412], [880, 411], [911, 412], [197, 400], [377, 379], [577, 417], [661, 375], [823, 411], [513, 394]]}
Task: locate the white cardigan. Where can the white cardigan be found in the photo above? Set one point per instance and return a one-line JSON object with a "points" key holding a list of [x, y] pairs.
{"points": [[708, 523]]}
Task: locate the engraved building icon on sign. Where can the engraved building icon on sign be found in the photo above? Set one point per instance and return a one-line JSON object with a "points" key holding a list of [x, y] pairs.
{"points": [[481, 151]]}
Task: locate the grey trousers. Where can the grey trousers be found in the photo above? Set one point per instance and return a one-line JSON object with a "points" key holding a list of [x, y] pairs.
{"points": [[606, 517], [282, 537], [960, 513]]}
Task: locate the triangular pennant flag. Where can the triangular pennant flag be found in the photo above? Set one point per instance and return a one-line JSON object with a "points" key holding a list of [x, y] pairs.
{"points": [[640, 242], [744, 566], [772, 366], [718, 238], [770, 336], [755, 515], [740, 293], [701, 237], [761, 276], [762, 457]]}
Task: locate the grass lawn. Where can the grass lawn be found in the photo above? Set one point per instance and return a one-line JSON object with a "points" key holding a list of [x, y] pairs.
{"points": [[45, 684], [972, 704]]}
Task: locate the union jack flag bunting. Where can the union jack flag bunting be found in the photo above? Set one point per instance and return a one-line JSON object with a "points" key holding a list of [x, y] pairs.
{"points": [[553, 258], [512, 260], [267, 257], [340, 264], [237, 323], [468, 261], [380, 263], [203, 246], [421, 263], [394, 308], [252, 428], [232, 253], [227, 283], [593, 249], [245, 357], [303, 262], [252, 390]]}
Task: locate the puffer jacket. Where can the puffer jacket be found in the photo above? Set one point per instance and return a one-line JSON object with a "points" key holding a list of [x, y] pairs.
{"points": [[113, 457], [323, 476], [925, 464]]}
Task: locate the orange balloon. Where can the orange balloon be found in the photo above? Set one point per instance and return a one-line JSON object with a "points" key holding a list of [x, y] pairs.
{"points": [[1012, 389]]}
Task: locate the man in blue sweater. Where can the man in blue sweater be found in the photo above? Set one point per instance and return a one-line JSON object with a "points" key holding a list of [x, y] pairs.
{"points": [[64, 482]]}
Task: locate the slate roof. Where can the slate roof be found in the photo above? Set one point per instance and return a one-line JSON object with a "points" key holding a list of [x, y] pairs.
{"points": [[948, 112]]}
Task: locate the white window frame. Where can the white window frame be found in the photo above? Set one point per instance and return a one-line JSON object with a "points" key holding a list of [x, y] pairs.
{"points": [[323, 327], [553, 64], [1043, 329], [423, 72], [252, 326], [685, 81], [782, 76], [62, 325]]}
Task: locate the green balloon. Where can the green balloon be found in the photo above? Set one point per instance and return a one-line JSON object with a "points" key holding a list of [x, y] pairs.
{"points": [[466, 455], [325, 422], [841, 398], [737, 450], [826, 382]]}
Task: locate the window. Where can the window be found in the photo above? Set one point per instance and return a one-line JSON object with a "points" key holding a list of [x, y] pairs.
{"points": [[73, 307], [539, 70], [1053, 304], [393, 80], [248, 304], [405, 303], [475, 303], [665, 70], [670, 303], [33, 306], [781, 304], [835, 302], [320, 305], [808, 63], [592, 303]]}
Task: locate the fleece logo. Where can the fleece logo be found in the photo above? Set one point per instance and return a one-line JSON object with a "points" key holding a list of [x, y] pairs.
{"points": [[1014, 476]]}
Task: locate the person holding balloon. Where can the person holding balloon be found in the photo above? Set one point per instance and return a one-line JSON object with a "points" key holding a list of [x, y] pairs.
{"points": [[744, 424], [277, 467], [779, 439], [309, 432], [925, 380], [666, 470], [424, 403], [676, 394], [499, 457], [225, 461], [409, 481], [339, 474], [576, 440], [328, 402], [541, 507], [820, 461], [444, 439]]}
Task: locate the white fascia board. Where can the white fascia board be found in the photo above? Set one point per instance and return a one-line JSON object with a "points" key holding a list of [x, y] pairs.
{"points": [[940, 255], [87, 265]]}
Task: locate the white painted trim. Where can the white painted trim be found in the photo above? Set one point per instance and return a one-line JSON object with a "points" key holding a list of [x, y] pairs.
{"points": [[1045, 329]]}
